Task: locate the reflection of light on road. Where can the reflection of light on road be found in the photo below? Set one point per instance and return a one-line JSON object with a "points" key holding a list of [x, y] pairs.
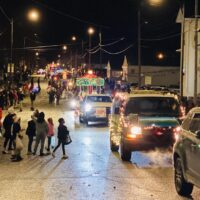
{"points": [[87, 141]]}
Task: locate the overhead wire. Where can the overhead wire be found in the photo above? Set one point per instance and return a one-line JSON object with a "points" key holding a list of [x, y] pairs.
{"points": [[69, 16], [117, 53]]}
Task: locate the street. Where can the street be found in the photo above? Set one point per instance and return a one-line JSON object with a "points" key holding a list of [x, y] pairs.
{"points": [[92, 171]]}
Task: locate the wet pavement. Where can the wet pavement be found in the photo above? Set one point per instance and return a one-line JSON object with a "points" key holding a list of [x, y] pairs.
{"points": [[92, 171]]}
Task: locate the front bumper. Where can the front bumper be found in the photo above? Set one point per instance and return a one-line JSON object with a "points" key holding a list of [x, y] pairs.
{"points": [[149, 141]]}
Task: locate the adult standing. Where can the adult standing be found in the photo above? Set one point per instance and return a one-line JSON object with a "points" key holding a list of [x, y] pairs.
{"points": [[20, 95], [62, 136], [1, 115], [7, 124], [41, 133], [30, 132]]}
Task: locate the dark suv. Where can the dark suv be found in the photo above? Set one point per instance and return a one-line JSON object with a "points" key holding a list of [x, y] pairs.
{"points": [[187, 154]]}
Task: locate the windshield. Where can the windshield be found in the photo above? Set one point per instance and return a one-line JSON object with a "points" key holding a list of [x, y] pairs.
{"points": [[152, 106], [99, 99]]}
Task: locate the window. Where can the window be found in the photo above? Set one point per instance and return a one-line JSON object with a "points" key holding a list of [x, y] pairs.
{"points": [[195, 123]]}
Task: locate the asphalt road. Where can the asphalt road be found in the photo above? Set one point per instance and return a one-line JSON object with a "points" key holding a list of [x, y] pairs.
{"points": [[92, 171]]}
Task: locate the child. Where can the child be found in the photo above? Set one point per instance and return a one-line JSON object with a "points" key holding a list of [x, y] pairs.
{"points": [[50, 132], [62, 136]]}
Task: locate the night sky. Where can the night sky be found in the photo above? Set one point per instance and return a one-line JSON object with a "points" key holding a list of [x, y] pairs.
{"points": [[115, 18]]}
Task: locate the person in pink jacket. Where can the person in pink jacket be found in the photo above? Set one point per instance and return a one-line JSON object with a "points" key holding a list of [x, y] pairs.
{"points": [[50, 132]]}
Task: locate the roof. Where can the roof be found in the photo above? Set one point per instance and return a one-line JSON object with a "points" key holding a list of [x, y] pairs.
{"points": [[151, 93], [98, 95]]}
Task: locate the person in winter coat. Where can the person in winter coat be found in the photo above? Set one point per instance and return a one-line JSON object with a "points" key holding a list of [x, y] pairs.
{"points": [[50, 132], [7, 124], [62, 136], [32, 98], [30, 132], [16, 128], [1, 115], [41, 133]]}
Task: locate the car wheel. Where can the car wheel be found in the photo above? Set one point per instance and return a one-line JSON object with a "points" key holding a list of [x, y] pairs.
{"points": [[182, 187], [125, 153], [86, 122], [113, 146]]}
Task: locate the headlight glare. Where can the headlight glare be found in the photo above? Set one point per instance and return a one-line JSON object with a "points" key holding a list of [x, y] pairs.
{"points": [[88, 107]]}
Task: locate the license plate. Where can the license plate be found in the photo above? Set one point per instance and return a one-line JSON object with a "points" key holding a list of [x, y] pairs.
{"points": [[100, 112]]}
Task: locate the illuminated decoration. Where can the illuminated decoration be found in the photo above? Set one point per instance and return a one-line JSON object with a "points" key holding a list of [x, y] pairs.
{"points": [[90, 82], [90, 72]]}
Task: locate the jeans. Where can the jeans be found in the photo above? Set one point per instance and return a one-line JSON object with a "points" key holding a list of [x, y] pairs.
{"points": [[10, 140], [63, 146], [30, 142], [49, 143], [40, 138]]}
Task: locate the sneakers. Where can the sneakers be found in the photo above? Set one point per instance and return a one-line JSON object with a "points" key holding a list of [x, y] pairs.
{"points": [[4, 152], [53, 155], [64, 157]]}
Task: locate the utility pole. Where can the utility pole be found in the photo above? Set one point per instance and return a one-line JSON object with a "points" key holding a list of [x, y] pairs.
{"points": [[182, 48], [196, 52], [100, 52], [139, 46]]}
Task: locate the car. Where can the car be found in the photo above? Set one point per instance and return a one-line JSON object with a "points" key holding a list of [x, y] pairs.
{"points": [[95, 108], [147, 120], [186, 154]]}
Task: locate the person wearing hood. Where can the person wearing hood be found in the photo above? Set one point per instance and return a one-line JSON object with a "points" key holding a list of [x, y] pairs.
{"points": [[41, 132], [7, 124]]}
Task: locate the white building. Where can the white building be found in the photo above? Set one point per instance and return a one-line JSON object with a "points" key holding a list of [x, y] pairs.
{"points": [[189, 58]]}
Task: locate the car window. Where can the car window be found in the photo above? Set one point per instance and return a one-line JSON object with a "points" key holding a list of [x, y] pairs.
{"points": [[151, 106], [99, 99], [195, 123]]}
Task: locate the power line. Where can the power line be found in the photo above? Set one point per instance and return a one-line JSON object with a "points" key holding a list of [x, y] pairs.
{"points": [[69, 16], [162, 38], [117, 53]]}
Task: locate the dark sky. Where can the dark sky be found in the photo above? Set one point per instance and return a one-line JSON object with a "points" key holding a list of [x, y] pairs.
{"points": [[115, 18]]}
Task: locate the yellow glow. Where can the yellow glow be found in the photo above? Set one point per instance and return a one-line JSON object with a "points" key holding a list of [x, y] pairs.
{"points": [[37, 54], [160, 56], [64, 47], [73, 38], [90, 72], [155, 2], [91, 31], [33, 15]]}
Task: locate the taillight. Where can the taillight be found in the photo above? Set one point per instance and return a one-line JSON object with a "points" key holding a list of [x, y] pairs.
{"points": [[177, 131]]}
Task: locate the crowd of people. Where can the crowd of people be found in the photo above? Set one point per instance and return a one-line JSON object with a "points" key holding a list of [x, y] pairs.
{"points": [[38, 130]]}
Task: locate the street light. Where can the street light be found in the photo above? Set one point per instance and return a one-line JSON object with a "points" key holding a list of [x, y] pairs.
{"points": [[90, 33], [73, 38], [152, 3], [160, 56], [64, 47], [33, 15]]}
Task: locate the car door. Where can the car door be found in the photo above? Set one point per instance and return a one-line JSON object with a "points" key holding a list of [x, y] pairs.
{"points": [[194, 148], [185, 140]]}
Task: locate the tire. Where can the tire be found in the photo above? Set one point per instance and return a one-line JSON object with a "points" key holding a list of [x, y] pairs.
{"points": [[86, 122], [125, 153], [182, 187], [113, 147]]}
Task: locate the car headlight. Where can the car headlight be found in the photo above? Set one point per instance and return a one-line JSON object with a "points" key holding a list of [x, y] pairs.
{"points": [[73, 103], [88, 107], [134, 132]]}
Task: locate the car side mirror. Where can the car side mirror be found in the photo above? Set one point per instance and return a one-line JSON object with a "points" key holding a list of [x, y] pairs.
{"points": [[197, 134]]}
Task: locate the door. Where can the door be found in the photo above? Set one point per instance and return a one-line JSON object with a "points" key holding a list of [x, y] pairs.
{"points": [[194, 148]]}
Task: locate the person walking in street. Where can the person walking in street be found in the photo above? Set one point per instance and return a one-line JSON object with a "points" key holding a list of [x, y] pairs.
{"points": [[15, 132], [1, 116], [62, 136], [30, 132], [41, 133], [20, 95], [7, 124], [50, 133], [32, 98]]}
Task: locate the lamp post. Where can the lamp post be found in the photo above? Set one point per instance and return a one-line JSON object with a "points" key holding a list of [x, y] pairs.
{"points": [[151, 3], [196, 52], [90, 33]]}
